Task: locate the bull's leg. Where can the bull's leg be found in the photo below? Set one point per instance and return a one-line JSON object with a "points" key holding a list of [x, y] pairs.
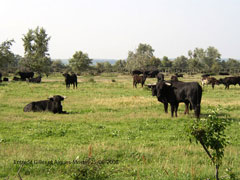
{"points": [[172, 109], [213, 85], [176, 109], [166, 107], [186, 108], [197, 110]]}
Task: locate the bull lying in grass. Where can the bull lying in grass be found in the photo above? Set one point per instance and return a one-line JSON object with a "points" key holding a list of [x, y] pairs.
{"points": [[53, 104]]}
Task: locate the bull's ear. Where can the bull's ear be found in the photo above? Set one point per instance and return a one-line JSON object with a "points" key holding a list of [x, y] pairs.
{"points": [[50, 98], [168, 84]]}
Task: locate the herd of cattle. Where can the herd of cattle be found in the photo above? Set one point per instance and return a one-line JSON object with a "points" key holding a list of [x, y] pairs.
{"points": [[174, 91], [167, 92]]}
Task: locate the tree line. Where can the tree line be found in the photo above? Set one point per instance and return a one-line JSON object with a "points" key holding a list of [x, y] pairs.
{"points": [[36, 58]]}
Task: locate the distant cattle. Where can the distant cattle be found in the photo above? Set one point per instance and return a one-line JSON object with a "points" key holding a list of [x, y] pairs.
{"points": [[0, 76], [70, 79], [174, 78], [35, 80], [160, 76], [224, 73], [210, 80], [138, 72], [5, 79], [25, 75], [227, 81], [151, 74], [53, 104], [176, 92], [18, 79], [179, 75], [138, 80]]}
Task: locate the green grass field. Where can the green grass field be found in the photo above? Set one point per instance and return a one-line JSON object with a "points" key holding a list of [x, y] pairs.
{"points": [[112, 131]]}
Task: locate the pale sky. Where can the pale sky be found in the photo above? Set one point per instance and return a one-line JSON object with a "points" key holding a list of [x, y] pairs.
{"points": [[108, 29]]}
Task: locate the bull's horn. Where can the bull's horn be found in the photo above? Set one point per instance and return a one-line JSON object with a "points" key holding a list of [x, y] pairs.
{"points": [[168, 84], [64, 97]]}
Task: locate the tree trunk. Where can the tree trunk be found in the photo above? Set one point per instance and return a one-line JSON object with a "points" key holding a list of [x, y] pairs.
{"points": [[217, 167]]}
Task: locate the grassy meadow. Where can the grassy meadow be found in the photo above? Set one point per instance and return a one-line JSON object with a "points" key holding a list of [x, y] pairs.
{"points": [[112, 131]]}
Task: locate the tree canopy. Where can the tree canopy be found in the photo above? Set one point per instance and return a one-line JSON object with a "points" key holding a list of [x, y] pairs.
{"points": [[80, 62], [36, 56]]}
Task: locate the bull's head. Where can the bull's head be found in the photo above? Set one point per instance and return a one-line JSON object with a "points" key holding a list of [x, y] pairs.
{"points": [[161, 88], [57, 98]]}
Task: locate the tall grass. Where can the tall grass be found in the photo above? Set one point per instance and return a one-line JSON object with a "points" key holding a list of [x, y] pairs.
{"points": [[129, 134]]}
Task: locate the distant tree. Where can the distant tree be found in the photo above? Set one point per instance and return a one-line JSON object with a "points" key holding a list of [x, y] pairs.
{"points": [[154, 63], [209, 59], [36, 57], [80, 62], [120, 66], [233, 64], [58, 66], [100, 67], [7, 57], [166, 62], [180, 62], [140, 58], [107, 67]]}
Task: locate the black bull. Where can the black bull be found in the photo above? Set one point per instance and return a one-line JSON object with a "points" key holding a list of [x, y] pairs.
{"points": [[176, 92], [53, 104]]}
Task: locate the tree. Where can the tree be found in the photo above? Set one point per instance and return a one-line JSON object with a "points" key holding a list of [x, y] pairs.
{"points": [[209, 132], [80, 62], [6, 55], [180, 62], [209, 59], [120, 66], [58, 66], [166, 62], [36, 57], [140, 58]]}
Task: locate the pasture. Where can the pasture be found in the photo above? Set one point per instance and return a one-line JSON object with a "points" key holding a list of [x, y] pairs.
{"points": [[112, 131]]}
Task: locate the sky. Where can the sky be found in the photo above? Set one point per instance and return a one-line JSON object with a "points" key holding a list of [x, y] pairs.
{"points": [[109, 29]]}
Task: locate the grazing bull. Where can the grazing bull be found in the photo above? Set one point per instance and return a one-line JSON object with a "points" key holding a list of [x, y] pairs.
{"points": [[151, 74], [210, 80], [53, 104], [138, 80], [227, 81], [35, 80], [176, 92], [5, 79], [25, 75], [136, 72], [70, 79], [18, 79]]}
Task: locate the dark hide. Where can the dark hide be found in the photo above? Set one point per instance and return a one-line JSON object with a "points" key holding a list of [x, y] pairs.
{"points": [[25, 75], [151, 74], [160, 77], [138, 80], [136, 72], [210, 80], [70, 79], [18, 79], [227, 81], [176, 92], [5, 79], [52, 105], [35, 80]]}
